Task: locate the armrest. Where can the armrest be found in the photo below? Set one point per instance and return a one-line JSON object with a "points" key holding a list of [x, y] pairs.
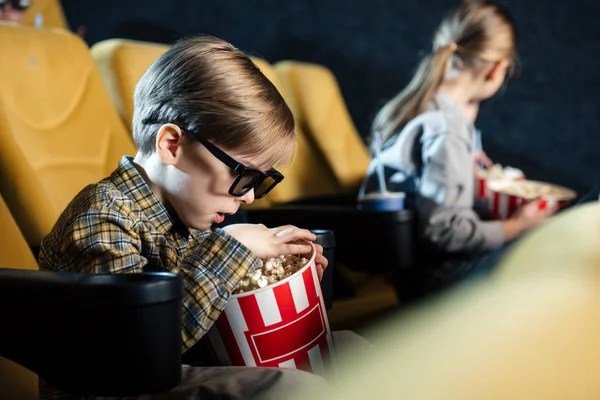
{"points": [[88, 334], [366, 240]]}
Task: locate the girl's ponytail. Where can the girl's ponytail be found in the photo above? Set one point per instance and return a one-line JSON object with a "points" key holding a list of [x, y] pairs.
{"points": [[418, 93]]}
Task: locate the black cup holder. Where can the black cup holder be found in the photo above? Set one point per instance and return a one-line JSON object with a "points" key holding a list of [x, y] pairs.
{"points": [[101, 335], [127, 279]]}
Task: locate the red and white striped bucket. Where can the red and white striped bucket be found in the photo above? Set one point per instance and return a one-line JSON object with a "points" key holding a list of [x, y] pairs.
{"points": [[482, 190], [281, 325], [503, 201]]}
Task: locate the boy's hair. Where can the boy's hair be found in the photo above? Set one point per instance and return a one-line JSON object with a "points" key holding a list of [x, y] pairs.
{"points": [[205, 85], [475, 31]]}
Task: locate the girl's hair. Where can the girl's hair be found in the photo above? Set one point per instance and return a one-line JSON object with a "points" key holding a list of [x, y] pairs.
{"points": [[207, 86], [475, 31]]}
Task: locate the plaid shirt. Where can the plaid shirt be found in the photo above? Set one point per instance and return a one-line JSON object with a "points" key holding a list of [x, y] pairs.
{"points": [[119, 226]]}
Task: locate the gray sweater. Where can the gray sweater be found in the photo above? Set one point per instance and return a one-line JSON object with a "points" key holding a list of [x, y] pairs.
{"points": [[438, 179]]}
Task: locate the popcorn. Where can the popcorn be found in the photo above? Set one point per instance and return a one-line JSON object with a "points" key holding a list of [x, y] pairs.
{"points": [[271, 271], [262, 282], [499, 172], [255, 276], [533, 189]]}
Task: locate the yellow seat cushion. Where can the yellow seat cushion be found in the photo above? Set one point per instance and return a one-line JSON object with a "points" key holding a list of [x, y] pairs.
{"points": [[59, 130], [534, 338], [122, 63], [569, 240], [16, 382], [322, 114], [306, 173], [51, 12]]}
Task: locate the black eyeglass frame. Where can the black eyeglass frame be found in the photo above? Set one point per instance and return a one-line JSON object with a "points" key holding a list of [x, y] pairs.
{"points": [[240, 170]]}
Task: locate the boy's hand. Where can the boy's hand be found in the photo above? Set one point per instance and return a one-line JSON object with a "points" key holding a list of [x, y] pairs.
{"points": [[320, 261], [273, 242]]}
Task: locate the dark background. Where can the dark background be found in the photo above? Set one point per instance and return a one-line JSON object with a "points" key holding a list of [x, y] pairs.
{"points": [[547, 122]]}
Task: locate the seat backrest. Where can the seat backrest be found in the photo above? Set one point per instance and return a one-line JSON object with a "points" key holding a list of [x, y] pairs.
{"points": [[123, 62], [307, 173], [533, 338], [569, 240], [51, 12], [59, 130], [530, 331], [323, 116], [16, 382]]}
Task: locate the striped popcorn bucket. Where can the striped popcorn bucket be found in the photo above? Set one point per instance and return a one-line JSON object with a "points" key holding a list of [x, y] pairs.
{"points": [[281, 325], [504, 201], [482, 190]]}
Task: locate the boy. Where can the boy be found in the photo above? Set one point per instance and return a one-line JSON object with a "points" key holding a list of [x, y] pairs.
{"points": [[209, 127]]}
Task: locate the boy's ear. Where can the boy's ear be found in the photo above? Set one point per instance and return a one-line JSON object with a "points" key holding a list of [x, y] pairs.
{"points": [[497, 68], [169, 139]]}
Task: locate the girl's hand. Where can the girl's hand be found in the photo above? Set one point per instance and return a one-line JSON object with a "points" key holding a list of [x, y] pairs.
{"points": [[482, 159]]}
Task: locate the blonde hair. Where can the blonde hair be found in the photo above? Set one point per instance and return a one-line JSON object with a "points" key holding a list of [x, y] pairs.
{"points": [[207, 86], [475, 31]]}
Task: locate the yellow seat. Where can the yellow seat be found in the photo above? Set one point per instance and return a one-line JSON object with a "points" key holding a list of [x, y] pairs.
{"points": [[51, 12], [321, 112], [569, 240], [530, 339], [307, 173], [59, 130], [16, 382], [123, 62]]}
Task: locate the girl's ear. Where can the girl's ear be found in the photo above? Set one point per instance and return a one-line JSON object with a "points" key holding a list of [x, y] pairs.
{"points": [[497, 70]]}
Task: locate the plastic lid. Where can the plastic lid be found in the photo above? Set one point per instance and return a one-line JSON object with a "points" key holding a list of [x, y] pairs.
{"points": [[325, 237]]}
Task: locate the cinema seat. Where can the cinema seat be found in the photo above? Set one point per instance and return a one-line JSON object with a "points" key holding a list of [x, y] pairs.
{"points": [[59, 130]]}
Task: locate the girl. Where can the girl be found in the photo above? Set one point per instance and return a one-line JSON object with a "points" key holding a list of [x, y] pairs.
{"points": [[429, 143]]}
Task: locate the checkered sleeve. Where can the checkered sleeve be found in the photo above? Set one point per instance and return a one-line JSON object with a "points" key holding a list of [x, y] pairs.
{"points": [[100, 240], [211, 273]]}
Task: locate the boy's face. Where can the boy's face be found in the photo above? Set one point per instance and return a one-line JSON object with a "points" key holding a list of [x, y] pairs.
{"points": [[196, 184]]}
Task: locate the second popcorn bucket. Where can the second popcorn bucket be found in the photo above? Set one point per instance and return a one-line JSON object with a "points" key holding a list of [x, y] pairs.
{"points": [[282, 325], [506, 197]]}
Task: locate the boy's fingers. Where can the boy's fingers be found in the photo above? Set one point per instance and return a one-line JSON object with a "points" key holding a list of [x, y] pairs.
{"points": [[295, 234], [282, 230], [321, 260], [296, 248], [319, 248]]}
